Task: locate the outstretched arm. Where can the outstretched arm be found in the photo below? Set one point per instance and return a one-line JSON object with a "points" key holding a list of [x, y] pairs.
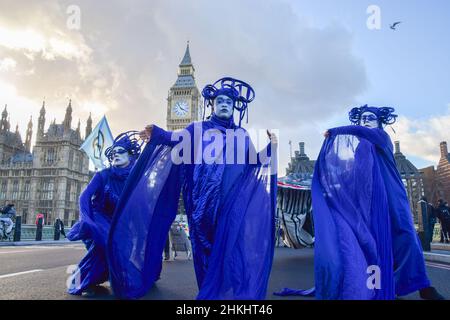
{"points": [[160, 136], [270, 149], [375, 136]]}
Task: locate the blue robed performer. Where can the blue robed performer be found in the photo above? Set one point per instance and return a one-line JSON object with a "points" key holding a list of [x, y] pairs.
{"points": [[97, 204], [366, 245], [228, 194]]}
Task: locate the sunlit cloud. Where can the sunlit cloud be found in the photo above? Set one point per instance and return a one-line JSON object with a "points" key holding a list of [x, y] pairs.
{"points": [[31, 43], [421, 137], [97, 109], [19, 108], [65, 49], [29, 40], [7, 64]]}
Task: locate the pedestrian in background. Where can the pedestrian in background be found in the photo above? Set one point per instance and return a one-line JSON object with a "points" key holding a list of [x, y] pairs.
{"points": [[443, 214], [39, 215], [431, 220], [59, 226]]}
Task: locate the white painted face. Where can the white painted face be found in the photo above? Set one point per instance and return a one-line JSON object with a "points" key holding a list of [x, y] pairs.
{"points": [[223, 107], [369, 120], [121, 158]]}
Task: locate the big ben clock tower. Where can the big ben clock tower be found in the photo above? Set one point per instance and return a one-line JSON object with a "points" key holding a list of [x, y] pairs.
{"points": [[183, 102]]}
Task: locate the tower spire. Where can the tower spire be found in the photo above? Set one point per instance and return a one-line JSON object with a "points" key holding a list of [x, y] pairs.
{"points": [[184, 90], [444, 149], [29, 135], [68, 117], [41, 121], [187, 61], [3, 121], [397, 146], [88, 126], [186, 68], [79, 128]]}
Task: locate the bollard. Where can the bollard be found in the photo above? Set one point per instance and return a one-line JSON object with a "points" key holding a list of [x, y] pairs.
{"points": [[17, 229], [39, 230], [167, 248], [57, 230], [423, 225]]}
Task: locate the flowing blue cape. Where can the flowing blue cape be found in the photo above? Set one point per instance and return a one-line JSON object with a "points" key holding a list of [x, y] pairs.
{"points": [[231, 213], [363, 221], [97, 203]]}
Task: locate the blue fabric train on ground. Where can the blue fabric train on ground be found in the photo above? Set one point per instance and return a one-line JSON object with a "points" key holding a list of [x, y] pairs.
{"points": [[97, 204], [97, 142], [230, 207], [366, 245]]}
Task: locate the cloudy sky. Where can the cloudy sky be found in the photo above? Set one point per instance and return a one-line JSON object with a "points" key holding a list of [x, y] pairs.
{"points": [[308, 61]]}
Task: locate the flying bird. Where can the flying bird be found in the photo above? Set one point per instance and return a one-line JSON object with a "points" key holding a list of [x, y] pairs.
{"points": [[395, 25]]}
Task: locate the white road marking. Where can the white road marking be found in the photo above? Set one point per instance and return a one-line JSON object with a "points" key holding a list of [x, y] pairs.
{"points": [[437, 265], [19, 273], [14, 251], [34, 249]]}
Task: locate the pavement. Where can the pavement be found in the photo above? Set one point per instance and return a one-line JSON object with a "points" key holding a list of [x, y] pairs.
{"points": [[36, 243], [440, 246], [40, 271], [440, 253]]}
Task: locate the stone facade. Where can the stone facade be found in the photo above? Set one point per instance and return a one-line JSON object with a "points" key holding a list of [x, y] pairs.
{"points": [[49, 178], [183, 102]]}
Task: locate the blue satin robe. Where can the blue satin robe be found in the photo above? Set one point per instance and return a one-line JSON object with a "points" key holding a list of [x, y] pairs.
{"points": [[230, 210], [363, 218], [97, 204]]}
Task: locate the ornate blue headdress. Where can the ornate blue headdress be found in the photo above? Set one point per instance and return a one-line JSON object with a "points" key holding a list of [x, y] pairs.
{"points": [[385, 115], [129, 141], [241, 93]]}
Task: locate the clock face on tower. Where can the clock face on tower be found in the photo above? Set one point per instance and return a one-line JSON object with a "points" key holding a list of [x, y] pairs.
{"points": [[181, 108]]}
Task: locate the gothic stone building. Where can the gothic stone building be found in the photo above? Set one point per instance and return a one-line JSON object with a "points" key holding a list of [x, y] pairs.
{"points": [[49, 178], [437, 181]]}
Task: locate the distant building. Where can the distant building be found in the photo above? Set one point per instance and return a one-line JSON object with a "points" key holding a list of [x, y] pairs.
{"points": [[437, 181], [49, 178], [430, 185], [300, 165]]}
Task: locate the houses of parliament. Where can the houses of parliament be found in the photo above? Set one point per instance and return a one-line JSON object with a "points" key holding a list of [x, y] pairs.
{"points": [[49, 176]]}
